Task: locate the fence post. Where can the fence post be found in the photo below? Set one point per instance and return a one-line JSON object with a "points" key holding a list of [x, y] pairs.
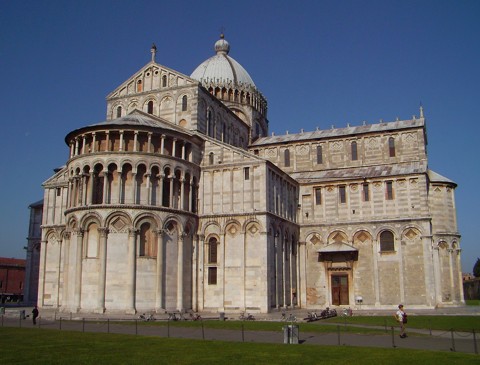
{"points": [[385, 324], [108, 325], [168, 326], [430, 326], [338, 334], [60, 324], [475, 342], [83, 324], [453, 342], [243, 335], [393, 337], [136, 327], [203, 331]]}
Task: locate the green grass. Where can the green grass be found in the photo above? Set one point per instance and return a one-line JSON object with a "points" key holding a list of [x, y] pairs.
{"points": [[41, 346], [472, 302], [443, 323]]}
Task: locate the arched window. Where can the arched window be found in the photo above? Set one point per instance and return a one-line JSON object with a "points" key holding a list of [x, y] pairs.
{"points": [[354, 151], [119, 111], [184, 103], [92, 238], [147, 241], [212, 251], [212, 256], [319, 155], [286, 156], [139, 86], [387, 241], [209, 123], [150, 107], [391, 147], [164, 81]]}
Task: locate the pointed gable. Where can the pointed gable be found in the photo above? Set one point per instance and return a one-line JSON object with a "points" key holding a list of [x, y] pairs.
{"points": [[150, 78]]}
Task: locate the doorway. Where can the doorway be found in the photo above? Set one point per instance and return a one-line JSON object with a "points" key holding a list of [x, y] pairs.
{"points": [[340, 289]]}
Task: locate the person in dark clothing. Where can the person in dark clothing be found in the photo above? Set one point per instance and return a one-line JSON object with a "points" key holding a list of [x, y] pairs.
{"points": [[35, 315]]}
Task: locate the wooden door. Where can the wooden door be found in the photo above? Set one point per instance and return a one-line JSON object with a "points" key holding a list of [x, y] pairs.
{"points": [[340, 290]]}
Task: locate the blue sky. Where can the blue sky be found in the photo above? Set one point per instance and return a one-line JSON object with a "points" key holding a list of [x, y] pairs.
{"points": [[319, 63]]}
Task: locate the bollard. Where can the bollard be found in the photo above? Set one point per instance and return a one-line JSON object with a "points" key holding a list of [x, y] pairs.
{"points": [[393, 337], [453, 342]]}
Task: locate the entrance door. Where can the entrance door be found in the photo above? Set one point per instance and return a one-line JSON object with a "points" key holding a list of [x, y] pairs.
{"points": [[340, 289]]}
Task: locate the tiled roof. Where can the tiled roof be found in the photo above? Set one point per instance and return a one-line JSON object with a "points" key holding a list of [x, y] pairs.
{"points": [[410, 168], [340, 132]]}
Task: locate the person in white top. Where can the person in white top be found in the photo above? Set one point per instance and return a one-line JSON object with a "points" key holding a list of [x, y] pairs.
{"points": [[401, 318]]}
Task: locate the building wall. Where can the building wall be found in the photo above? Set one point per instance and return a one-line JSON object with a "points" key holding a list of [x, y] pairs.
{"points": [[12, 280]]}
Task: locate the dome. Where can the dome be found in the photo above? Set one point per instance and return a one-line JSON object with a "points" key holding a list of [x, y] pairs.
{"points": [[222, 68]]}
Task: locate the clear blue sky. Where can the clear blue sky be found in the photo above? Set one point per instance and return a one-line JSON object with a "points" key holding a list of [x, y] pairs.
{"points": [[318, 63]]}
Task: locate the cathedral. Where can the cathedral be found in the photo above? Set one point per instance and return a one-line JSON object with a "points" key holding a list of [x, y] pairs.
{"points": [[181, 200]]}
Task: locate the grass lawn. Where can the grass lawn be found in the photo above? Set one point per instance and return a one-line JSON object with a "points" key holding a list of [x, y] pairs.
{"points": [[472, 302], [443, 323], [41, 346]]}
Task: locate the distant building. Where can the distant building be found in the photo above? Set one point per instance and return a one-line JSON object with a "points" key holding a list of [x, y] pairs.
{"points": [[181, 200], [12, 280], [33, 253]]}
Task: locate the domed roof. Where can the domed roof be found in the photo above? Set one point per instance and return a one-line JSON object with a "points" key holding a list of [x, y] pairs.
{"points": [[222, 68]]}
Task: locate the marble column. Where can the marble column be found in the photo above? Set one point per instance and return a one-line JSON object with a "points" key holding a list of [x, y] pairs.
{"points": [[78, 270], [102, 278]]}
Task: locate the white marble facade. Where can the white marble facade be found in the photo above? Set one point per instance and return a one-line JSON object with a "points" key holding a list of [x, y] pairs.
{"points": [[179, 201]]}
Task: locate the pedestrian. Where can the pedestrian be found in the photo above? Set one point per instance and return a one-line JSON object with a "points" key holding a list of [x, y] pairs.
{"points": [[35, 315], [401, 318]]}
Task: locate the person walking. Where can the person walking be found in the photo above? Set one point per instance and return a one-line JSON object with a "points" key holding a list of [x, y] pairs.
{"points": [[401, 318], [35, 315]]}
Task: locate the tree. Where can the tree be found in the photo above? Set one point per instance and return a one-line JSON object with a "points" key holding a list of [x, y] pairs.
{"points": [[476, 269]]}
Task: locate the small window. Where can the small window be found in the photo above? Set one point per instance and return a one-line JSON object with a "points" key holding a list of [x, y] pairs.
{"points": [[150, 107], [119, 111], [58, 191], [387, 242], [211, 158], [139, 86], [184, 103], [366, 192], [164, 81], [389, 190], [318, 196], [212, 251], [391, 147], [342, 193], [319, 155], [354, 151], [287, 158], [212, 276], [246, 173], [255, 152]]}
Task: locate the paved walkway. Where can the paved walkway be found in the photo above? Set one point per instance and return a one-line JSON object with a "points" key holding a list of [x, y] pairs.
{"points": [[112, 323]]}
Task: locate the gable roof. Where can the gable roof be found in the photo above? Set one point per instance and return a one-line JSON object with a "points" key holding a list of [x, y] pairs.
{"points": [[151, 66]]}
